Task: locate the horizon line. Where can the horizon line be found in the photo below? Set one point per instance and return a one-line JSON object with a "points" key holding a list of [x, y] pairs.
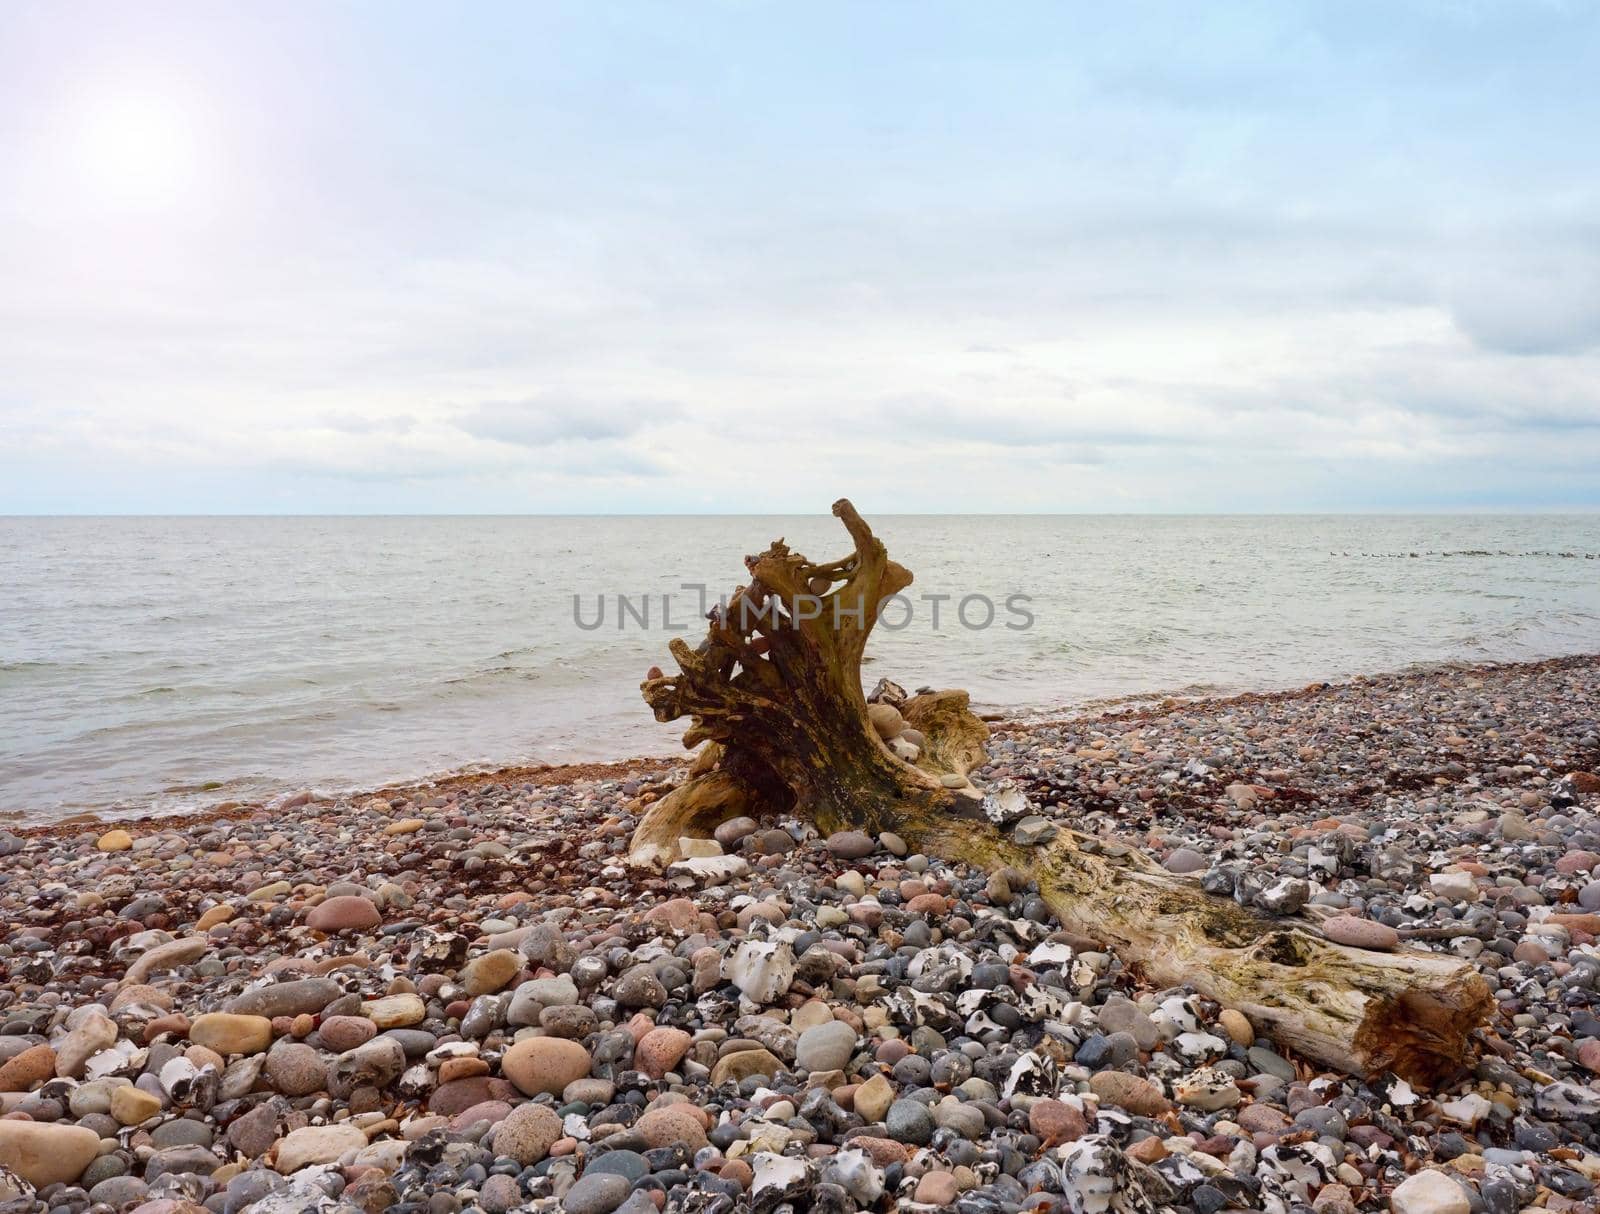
{"points": [[1375, 512]]}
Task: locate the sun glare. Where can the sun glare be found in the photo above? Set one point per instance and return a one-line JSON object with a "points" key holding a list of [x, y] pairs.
{"points": [[139, 151]]}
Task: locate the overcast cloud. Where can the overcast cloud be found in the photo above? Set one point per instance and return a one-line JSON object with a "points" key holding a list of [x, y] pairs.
{"points": [[641, 257]]}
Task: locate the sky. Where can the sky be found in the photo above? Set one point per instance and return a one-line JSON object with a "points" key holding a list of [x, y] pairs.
{"points": [[747, 257]]}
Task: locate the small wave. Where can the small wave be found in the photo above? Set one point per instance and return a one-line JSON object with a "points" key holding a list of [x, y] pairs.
{"points": [[492, 674], [1474, 553], [1136, 698], [198, 786]]}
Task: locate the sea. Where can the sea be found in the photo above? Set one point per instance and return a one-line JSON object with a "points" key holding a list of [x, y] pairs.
{"points": [[155, 665]]}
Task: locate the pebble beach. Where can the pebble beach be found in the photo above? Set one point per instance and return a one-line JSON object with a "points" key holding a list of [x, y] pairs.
{"points": [[458, 997]]}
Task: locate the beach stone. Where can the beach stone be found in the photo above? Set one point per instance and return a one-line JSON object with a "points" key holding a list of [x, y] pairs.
{"points": [[527, 1133], [1185, 860], [1237, 1025], [95, 1033], [46, 1154], [491, 1111], [1261, 1118], [730, 833], [457, 1096], [167, 956], [491, 972], [1207, 1089], [499, 1193], [302, 995], [341, 1033], [1429, 1192], [545, 1064], [183, 1132], [873, 1098], [678, 915], [671, 1124], [559, 991], [248, 1188], [462, 1068], [31, 1067], [1361, 933], [1147, 1150], [562, 1021], [93, 1097], [1055, 1121], [216, 915], [763, 971], [1588, 1054], [851, 844], [1530, 952], [590, 1090], [131, 1105], [1516, 828], [596, 1193], [937, 1188], [630, 1165], [295, 1069], [911, 1122], [1122, 1015], [231, 1033], [882, 1151], [345, 913], [1456, 886], [1034, 830], [316, 1144], [1271, 1062], [740, 1066], [809, 1014], [114, 840], [252, 1134], [185, 1160], [964, 1119], [118, 1191], [886, 720], [660, 1050], [639, 988], [825, 1047], [772, 842], [395, 1011], [1130, 1093], [376, 1064]]}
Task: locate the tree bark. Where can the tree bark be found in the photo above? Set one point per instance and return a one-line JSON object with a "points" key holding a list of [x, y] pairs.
{"points": [[775, 689]]}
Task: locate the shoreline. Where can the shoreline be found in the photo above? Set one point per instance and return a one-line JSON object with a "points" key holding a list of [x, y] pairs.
{"points": [[1136, 707], [459, 997]]}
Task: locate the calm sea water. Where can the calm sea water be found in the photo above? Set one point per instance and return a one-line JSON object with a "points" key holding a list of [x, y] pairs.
{"points": [[168, 663]]}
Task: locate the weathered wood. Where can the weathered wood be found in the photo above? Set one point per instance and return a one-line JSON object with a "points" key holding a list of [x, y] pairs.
{"points": [[775, 689]]}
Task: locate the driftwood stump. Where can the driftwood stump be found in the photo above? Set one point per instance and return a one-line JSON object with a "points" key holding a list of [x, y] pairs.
{"points": [[774, 696]]}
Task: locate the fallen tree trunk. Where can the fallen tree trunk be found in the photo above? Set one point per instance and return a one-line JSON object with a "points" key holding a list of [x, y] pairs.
{"points": [[775, 688]]}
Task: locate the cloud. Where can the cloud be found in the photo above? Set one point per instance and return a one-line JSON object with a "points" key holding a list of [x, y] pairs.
{"points": [[1534, 309], [1230, 257], [548, 420], [1064, 422], [352, 423]]}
